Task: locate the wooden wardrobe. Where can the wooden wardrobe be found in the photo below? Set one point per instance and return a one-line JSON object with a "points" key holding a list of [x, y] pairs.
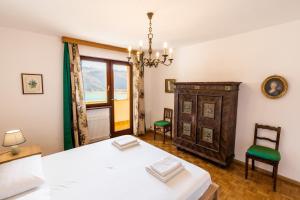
{"points": [[205, 119]]}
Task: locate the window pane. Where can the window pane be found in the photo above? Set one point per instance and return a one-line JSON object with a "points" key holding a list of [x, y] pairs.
{"points": [[121, 76], [121, 81], [94, 81]]}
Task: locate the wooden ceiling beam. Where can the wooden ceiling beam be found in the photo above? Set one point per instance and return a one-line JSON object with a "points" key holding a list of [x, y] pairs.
{"points": [[95, 44]]}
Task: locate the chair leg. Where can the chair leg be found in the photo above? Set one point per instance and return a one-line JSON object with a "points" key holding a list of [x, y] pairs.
{"points": [[164, 131], [246, 166], [171, 131], [154, 131], [253, 164], [275, 168]]}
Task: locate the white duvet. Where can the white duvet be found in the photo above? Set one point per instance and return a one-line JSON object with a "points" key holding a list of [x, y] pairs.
{"points": [[101, 171]]}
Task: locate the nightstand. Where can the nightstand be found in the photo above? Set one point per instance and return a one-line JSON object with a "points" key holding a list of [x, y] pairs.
{"points": [[25, 151]]}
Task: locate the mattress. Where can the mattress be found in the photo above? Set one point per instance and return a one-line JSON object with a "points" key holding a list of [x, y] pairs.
{"points": [[101, 171]]}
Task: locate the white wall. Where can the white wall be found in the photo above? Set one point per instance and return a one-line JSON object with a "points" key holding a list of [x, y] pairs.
{"points": [[249, 58], [101, 53], [38, 116]]}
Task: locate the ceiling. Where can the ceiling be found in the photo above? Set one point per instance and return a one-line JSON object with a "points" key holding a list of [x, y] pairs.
{"points": [[124, 22]]}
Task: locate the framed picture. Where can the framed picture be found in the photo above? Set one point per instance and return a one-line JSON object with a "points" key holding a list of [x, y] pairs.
{"points": [[207, 135], [32, 83], [274, 87], [187, 107], [209, 110], [169, 85], [187, 128]]}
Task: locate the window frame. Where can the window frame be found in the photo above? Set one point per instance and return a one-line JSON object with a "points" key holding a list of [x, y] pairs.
{"points": [[108, 82], [110, 95], [130, 89]]}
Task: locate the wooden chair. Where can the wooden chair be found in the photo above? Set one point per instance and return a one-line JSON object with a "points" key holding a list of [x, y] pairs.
{"points": [[165, 124], [264, 154]]}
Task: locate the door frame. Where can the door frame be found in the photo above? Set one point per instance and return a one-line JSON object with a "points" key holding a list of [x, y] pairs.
{"points": [[110, 95], [130, 130]]}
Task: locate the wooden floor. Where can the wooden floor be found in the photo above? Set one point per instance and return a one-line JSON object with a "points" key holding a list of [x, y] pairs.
{"points": [[231, 180]]}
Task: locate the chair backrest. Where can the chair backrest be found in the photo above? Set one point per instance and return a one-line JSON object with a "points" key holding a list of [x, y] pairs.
{"points": [[271, 128], [168, 114]]}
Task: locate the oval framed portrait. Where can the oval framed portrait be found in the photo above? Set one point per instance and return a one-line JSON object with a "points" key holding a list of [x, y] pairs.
{"points": [[274, 87]]}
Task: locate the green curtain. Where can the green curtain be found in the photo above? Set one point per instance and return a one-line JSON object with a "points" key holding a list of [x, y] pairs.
{"points": [[68, 136]]}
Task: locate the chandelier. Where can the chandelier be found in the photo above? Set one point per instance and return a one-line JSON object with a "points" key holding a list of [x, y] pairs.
{"points": [[145, 59]]}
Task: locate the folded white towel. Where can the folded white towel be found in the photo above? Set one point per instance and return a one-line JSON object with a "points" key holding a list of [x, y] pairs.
{"points": [[164, 178], [125, 141], [166, 166], [125, 146]]}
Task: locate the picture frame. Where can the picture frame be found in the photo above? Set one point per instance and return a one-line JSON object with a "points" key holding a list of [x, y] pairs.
{"points": [[32, 83], [209, 110], [187, 107], [207, 135], [274, 87], [186, 128], [169, 85]]}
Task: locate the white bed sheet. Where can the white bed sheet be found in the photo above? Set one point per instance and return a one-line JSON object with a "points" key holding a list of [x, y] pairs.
{"points": [[101, 171]]}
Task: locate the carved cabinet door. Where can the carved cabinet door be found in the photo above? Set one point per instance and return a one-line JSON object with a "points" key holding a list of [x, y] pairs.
{"points": [[187, 117], [209, 112]]}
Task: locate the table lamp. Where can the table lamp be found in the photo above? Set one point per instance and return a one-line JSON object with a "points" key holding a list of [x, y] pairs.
{"points": [[12, 139]]}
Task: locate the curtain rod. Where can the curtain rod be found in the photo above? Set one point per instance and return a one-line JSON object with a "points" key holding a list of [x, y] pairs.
{"points": [[95, 44]]}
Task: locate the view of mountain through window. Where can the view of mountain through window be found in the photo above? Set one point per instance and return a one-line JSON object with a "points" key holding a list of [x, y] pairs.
{"points": [[120, 82], [95, 81]]}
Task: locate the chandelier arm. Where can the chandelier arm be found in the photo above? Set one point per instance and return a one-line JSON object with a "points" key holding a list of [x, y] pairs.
{"points": [[141, 60], [166, 64]]}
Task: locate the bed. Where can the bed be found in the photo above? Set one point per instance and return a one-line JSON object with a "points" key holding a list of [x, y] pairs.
{"points": [[101, 171]]}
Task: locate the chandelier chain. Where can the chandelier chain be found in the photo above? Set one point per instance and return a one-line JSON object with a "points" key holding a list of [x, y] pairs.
{"points": [[150, 37]]}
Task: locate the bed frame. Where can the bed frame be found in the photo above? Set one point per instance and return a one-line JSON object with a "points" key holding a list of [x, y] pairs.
{"points": [[212, 193]]}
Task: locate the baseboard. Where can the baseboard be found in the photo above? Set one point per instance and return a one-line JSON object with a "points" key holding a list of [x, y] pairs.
{"points": [[158, 132], [149, 129], [283, 178]]}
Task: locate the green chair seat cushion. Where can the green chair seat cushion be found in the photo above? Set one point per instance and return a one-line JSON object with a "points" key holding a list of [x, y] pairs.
{"points": [[264, 152], [162, 123]]}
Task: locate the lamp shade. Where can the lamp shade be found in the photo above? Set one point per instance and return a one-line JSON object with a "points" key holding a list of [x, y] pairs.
{"points": [[13, 137]]}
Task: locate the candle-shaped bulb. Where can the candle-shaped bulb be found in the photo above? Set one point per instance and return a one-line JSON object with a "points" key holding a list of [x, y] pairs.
{"points": [[170, 53], [129, 51], [165, 45], [165, 48], [138, 55], [141, 43], [157, 55]]}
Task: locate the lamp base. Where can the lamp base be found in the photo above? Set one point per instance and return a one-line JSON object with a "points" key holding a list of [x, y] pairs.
{"points": [[15, 150]]}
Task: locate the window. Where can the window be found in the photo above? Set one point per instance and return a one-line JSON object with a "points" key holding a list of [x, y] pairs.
{"points": [[94, 74], [108, 84], [121, 81]]}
